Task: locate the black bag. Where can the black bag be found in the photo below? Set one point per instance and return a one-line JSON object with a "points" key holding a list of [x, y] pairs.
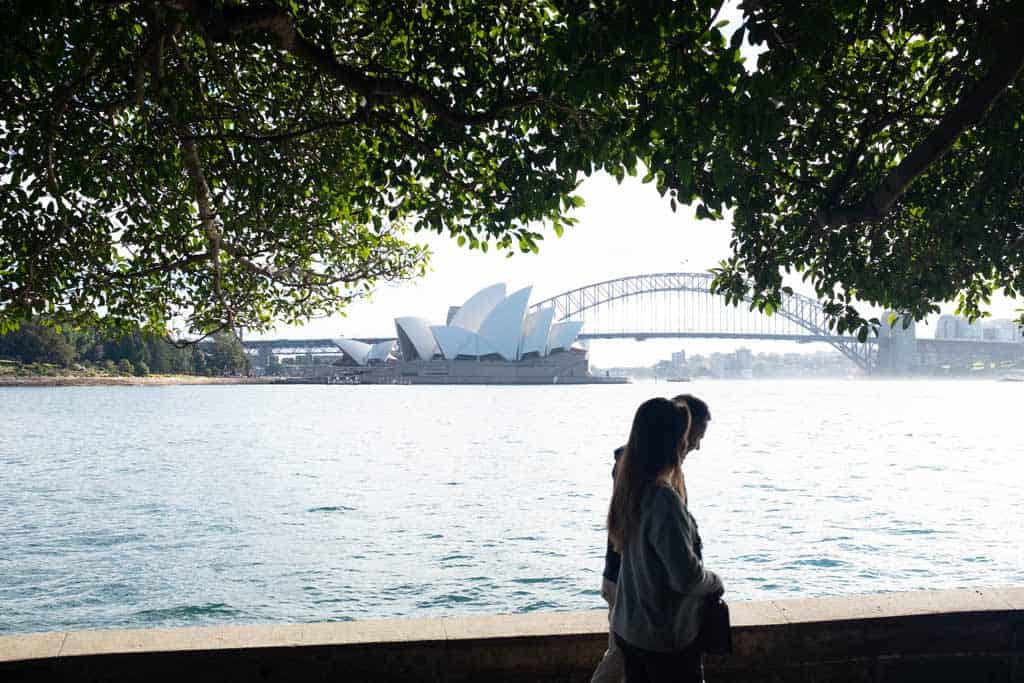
{"points": [[715, 636]]}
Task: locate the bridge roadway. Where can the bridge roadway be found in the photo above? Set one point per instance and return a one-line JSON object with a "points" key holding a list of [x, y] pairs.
{"points": [[643, 336], [289, 346], [928, 352], [285, 347], [327, 346]]}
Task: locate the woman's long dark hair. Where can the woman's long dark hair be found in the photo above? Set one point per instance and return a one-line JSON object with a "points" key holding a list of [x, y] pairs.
{"points": [[659, 427]]}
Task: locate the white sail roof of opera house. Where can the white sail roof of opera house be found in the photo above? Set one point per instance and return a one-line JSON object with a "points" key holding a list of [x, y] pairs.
{"points": [[455, 342], [415, 338], [356, 350], [489, 323], [363, 353], [472, 314], [503, 326], [563, 334], [381, 351], [535, 332]]}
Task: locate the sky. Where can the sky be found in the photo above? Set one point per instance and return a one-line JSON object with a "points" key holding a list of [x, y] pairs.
{"points": [[625, 229]]}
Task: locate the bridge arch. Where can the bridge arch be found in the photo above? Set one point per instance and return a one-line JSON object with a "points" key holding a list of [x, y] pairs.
{"points": [[804, 317]]}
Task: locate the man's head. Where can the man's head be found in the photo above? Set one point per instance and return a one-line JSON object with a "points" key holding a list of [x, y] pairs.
{"points": [[700, 416]]}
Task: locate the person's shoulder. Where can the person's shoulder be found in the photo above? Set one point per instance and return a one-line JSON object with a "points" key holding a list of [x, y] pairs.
{"points": [[665, 496], [668, 509]]}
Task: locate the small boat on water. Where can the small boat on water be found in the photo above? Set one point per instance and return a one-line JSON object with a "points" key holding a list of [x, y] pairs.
{"points": [[678, 379]]}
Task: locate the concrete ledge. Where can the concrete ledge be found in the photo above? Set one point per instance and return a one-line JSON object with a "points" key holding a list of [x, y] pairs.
{"points": [[975, 635]]}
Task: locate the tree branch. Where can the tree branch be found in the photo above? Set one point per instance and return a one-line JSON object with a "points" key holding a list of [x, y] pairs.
{"points": [[207, 212], [867, 128], [967, 112], [359, 114], [714, 18], [151, 50], [165, 267], [203, 196], [228, 22], [61, 99], [182, 343], [303, 278], [775, 39]]}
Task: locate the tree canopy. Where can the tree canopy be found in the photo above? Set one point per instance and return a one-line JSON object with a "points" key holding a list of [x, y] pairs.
{"points": [[877, 149], [133, 351], [239, 163]]}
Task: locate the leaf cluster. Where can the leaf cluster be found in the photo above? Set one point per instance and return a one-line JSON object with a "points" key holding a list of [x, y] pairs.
{"points": [[845, 96]]}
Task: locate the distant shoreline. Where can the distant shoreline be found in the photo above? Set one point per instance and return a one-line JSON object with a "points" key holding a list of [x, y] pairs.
{"points": [[153, 380]]}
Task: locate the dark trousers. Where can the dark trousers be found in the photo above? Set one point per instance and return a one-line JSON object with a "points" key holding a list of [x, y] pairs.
{"points": [[645, 666]]}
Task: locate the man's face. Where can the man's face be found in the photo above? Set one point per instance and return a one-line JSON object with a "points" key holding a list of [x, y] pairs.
{"points": [[693, 443]]}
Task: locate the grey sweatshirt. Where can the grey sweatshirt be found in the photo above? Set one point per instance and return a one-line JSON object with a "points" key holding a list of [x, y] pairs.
{"points": [[662, 582]]}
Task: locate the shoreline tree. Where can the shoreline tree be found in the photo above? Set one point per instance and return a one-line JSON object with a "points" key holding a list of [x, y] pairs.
{"points": [[89, 348], [234, 164]]}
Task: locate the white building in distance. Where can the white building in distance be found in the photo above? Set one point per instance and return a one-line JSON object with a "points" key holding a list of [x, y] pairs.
{"points": [[490, 325], [987, 329]]}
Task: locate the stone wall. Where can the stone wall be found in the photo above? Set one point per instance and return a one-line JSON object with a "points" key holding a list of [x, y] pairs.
{"points": [[955, 636]]}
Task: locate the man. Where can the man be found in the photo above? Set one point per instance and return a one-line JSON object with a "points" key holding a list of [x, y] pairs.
{"points": [[611, 668]]}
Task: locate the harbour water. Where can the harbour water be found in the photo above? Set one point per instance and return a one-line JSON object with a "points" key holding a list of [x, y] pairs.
{"points": [[196, 505]]}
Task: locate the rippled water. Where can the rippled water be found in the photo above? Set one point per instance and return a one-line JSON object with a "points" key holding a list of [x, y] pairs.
{"points": [[166, 506]]}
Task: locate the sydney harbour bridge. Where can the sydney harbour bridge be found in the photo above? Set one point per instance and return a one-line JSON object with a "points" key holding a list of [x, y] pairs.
{"points": [[682, 306]]}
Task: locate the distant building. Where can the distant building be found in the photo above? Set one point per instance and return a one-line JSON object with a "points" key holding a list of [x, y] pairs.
{"points": [[490, 325], [966, 329], [719, 364], [506, 343], [739, 363], [958, 327], [745, 364], [946, 329], [1002, 330]]}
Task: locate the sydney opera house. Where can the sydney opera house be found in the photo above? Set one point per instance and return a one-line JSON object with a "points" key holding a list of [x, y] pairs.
{"points": [[492, 338]]}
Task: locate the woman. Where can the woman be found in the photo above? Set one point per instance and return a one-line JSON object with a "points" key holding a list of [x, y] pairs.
{"points": [[610, 668], [662, 581]]}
